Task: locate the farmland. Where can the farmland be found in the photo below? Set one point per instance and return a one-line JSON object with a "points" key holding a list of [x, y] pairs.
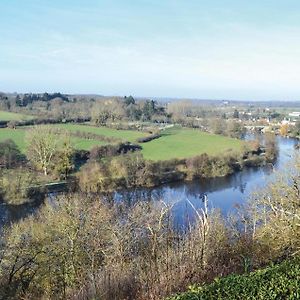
{"points": [[174, 143], [10, 116], [123, 135], [18, 136], [182, 143]]}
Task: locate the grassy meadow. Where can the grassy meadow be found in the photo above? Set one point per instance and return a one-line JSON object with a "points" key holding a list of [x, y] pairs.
{"points": [[183, 142], [18, 136], [174, 143], [123, 135], [9, 116]]}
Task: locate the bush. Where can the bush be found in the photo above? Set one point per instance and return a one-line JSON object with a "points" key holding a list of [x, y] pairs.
{"points": [[10, 155], [94, 136], [204, 166], [99, 152], [148, 138], [15, 185], [125, 171], [275, 282]]}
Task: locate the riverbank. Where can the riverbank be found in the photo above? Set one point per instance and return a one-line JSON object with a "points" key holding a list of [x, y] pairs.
{"points": [[116, 167], [132, 170], [224, 193]]}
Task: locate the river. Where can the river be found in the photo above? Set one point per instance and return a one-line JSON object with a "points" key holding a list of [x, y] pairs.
{"points": [[224, 193]]}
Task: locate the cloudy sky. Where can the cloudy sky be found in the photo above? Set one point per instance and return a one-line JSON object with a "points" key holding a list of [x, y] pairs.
{"points": [[218, 49]]}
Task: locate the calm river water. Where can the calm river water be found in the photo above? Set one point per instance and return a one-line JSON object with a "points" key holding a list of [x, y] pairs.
{"points": [[223, 193]]}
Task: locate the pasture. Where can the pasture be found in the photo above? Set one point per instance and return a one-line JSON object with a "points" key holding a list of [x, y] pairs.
{"points": [[183, 143], [18, 136], [174, 143], [122, 135], [9, 116]]}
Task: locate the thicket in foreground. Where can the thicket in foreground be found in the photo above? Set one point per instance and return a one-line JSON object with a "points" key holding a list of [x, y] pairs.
{"points": [[82, 248]]}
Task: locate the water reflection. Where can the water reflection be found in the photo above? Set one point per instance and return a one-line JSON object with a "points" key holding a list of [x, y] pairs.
{"points": [[223, 193], [226, 193]]}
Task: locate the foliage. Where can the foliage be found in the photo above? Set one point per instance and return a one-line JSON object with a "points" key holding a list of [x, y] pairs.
{"points": [[149, 138], [235, 129], [275, 282], [275, 214], [82, 248], [10, 155], [236, 114], [42, 143], [271, 147], [132, 170], [56, 250], [106, 151], [15, 184], [63, 159], [284, 129], [295, 130]]}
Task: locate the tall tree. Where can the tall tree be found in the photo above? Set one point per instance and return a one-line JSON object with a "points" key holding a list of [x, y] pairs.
{"points": [[42, 143], [10, 155], [64, 158]]}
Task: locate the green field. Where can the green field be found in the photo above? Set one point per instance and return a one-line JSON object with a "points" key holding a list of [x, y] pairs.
{"points": [[123, 135], [174, 143], [182, 143], [18, 136], [9, 116]]}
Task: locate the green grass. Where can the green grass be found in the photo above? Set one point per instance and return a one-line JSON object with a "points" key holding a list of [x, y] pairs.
{"points": [[18, 136], [9, 116], [123, 135], [276, 282], [183, 143], [174, 143]]}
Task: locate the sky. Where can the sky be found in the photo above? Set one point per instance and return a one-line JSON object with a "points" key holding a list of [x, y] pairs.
{"points": [[217, 49]]}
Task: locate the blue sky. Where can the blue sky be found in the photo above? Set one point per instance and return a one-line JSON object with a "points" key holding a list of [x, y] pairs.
{"points": [[217, 49]]}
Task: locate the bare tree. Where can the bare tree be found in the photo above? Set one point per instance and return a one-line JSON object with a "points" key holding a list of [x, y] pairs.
{"points": [[42, 142]]}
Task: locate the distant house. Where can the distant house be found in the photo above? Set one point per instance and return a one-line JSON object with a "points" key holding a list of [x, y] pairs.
{"points": [[292, 118], [295, 114]]}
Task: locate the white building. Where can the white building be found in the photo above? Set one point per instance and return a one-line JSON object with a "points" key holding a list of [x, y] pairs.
{"points": [[294, 114]]}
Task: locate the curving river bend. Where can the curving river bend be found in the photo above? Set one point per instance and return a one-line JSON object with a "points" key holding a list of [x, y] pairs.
{"points": [[224, 193]]}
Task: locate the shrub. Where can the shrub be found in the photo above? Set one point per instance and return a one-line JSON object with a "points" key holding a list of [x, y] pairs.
{"points": [[99, 152], [15, 185], [149, 138], [10, 155], [275, 282]]}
